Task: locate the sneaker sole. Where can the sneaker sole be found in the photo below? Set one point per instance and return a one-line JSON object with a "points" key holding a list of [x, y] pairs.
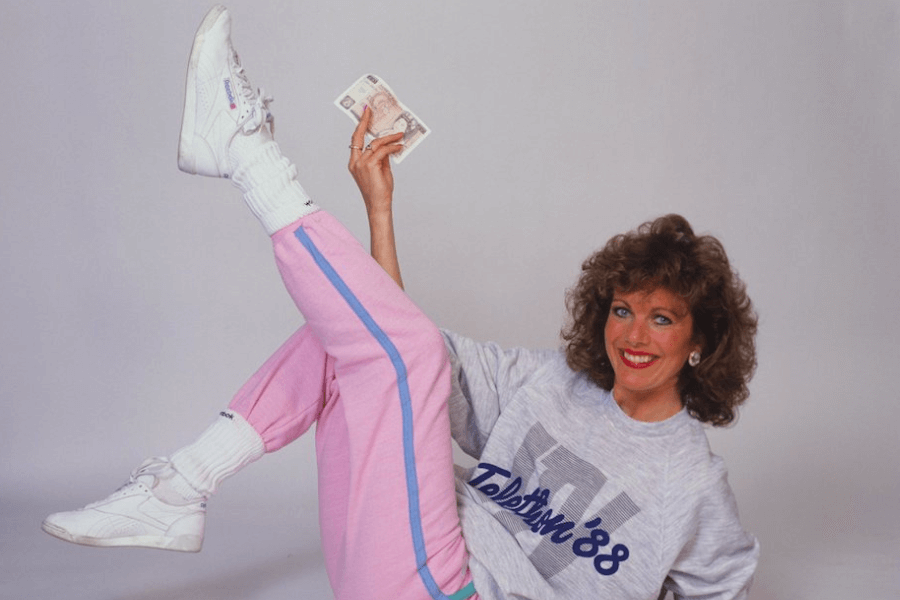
{"points": [[183, 543], [186, 138]]}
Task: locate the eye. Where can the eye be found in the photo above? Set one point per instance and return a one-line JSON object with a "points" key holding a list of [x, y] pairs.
{"points": [[620, 311], [662, 320]]}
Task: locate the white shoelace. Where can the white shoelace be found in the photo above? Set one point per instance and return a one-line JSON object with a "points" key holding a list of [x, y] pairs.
{"points": [[151, 466], [257, 102]]}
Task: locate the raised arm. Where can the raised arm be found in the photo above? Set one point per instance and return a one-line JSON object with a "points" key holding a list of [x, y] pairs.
{"points": [[371, 169]]}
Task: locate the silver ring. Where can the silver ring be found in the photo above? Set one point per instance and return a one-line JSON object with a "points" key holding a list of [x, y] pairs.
{"points": [[352, 147]]}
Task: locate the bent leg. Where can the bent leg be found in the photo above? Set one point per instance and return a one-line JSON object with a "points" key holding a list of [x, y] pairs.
{"points": [[389, 518], [273, 408], [286, 394]]}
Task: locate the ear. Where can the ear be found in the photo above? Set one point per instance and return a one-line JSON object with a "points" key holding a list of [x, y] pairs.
{"points": [[699, 342]]}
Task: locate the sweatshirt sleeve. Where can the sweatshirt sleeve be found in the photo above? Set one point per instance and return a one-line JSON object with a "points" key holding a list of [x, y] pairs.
{"points": [[484, 379], [718, 561]]}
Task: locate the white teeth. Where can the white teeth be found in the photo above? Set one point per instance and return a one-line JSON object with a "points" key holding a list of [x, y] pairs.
{"points": [[638, 359]]}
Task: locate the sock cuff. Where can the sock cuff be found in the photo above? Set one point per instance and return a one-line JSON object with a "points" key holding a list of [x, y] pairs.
{"points": [[277, 206], [267, 155], [228, 445], [271, 190]]}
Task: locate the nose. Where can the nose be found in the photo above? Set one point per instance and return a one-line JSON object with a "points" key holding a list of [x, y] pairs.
{"points": [[637, 333]]}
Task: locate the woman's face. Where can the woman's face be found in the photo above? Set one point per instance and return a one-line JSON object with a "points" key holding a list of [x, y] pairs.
{"points": [[649, 336]]}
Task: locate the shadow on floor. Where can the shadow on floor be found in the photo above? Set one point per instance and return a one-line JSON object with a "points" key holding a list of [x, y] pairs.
{"points": [[234, 584]]}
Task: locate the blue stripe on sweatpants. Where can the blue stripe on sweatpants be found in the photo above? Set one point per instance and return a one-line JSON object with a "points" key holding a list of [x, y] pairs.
{"points": [[409, 457]]}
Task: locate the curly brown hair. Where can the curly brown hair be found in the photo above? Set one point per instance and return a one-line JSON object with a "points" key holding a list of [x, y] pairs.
{"points": [[666, 253]]}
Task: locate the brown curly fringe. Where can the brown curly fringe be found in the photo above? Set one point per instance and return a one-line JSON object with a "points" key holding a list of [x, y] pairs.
{"points": [[666, 253]]}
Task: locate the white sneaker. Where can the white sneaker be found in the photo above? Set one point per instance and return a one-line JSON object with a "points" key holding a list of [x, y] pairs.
{"points": [[219, 102], [135, 516]]}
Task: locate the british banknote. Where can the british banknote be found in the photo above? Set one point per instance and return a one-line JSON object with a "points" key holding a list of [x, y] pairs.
{"points": [[389, 115]]}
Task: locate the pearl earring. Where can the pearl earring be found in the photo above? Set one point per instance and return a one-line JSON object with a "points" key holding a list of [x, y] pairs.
{"points": [[694, 358]]}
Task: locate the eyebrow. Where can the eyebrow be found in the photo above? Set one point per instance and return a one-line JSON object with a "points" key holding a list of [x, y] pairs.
{"points": [[678, 314]]}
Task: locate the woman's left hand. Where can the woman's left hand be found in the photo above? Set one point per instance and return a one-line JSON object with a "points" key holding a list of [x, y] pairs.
{"points": [[371, 166]]}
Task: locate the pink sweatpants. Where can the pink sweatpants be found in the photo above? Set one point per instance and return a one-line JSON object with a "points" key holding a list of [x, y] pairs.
{"points": [[371, 370]]}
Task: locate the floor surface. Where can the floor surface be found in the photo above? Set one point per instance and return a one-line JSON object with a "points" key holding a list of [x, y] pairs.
{"points": [[262, 555]]}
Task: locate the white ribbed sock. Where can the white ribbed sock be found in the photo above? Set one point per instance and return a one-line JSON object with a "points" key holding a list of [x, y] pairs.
{"points": [[269, 182], [227, 446]]}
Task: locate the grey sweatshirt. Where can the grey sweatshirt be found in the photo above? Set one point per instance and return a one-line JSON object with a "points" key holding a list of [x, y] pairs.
{"points": [[572, 499]]}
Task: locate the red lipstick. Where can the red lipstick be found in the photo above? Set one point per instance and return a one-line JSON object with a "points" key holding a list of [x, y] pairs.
{"points": [[635, 365]]}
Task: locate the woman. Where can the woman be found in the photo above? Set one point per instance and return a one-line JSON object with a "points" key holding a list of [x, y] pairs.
{"points": [[594, 476]]}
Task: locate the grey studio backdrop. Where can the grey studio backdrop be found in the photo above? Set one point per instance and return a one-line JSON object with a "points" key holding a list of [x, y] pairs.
{"points": [[136, 299]]}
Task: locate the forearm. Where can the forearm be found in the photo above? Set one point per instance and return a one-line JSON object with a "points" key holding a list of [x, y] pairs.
{"points": [[383, 243], [371, 169]]}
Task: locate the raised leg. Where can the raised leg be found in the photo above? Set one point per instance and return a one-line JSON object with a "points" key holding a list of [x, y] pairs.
{"points": [[380, 372], [389, 519]]}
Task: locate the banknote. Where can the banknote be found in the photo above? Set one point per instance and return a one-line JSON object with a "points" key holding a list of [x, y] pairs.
{"points": [[389, 115]]}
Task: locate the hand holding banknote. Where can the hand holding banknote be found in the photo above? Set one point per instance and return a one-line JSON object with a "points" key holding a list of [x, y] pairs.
{"points": [[370, 166], [389, 115]]}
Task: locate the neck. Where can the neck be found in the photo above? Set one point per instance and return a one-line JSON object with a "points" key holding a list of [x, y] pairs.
{"points": [[647, 408]]}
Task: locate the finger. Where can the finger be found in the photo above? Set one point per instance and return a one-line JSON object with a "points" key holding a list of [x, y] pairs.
{"points": [[358, 139], [375, 161], [381, 154], [382, 141], [359, 134]]}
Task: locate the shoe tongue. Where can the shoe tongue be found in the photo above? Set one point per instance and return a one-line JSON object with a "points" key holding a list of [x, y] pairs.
{"points": [[257, 118], [151, 472], [165, 492], [148, 479]]}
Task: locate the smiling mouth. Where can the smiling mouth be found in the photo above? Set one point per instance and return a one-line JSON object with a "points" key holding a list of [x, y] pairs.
{"points": [[637, 361]]}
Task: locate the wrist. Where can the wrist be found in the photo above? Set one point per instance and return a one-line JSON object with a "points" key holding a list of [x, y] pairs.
{"points": [[382, 214]]}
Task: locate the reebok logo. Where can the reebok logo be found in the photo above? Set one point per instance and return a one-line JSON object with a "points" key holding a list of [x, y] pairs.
{"points": [[230, 94]]}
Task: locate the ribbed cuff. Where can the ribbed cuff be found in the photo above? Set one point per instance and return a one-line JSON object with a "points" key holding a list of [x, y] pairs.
{"points": [[271, 190], [227, 446]]}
